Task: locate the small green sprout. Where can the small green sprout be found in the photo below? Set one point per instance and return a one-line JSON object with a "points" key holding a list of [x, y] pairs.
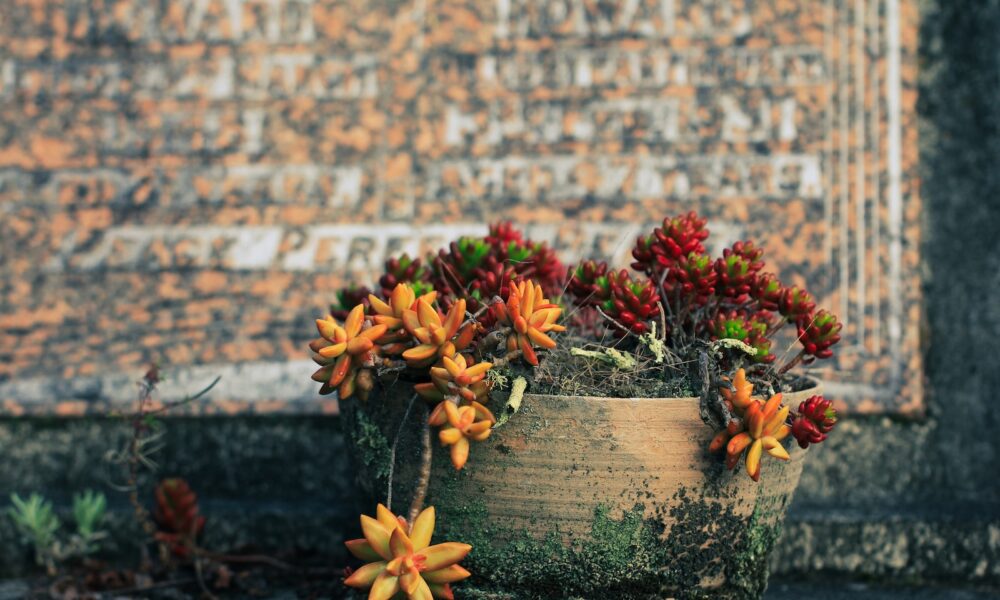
{"points": [[35, 518], [88, 510], [39, 526]]}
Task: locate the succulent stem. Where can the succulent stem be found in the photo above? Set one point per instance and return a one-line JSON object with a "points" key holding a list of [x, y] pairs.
{"points": [[392, 451], [613, 321], [504, 360], [424, 476], [792, 363]]}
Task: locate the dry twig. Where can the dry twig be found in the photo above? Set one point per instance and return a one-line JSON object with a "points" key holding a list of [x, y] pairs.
{"points": [[424, 476]]}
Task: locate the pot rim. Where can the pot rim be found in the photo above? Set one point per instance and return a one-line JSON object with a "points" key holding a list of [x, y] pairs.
{"points": [[815, 388]]}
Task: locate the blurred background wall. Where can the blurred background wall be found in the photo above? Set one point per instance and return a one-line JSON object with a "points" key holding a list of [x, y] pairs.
{"points": [[190, 182]]}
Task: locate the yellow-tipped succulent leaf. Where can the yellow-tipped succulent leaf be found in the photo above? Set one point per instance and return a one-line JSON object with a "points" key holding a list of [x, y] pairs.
{"points": [[409, 564], [765, 428], [531, 316], [342, 352]]}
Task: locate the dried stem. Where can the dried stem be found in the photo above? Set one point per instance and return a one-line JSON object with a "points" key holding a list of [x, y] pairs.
{"points": [[390, 366], [247, 559], [145, 589], [792, 363], [626, 330], [142, 517], [200, 575], [424, 477], [802, 353], [473, 317], [777, 327], [392, 451], [186, 400], [685, 312], [448, 273], [662, 288], [504, 360], [663, 321], [135, 458], [492, 338]]}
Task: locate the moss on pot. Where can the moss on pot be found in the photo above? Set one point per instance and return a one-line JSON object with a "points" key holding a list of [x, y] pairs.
{"points": [[625, 556], [371, 447], [747, 566]]}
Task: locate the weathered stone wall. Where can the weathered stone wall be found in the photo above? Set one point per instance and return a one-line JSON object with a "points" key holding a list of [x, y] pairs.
{"points": [[921, 500], [191, 181]]}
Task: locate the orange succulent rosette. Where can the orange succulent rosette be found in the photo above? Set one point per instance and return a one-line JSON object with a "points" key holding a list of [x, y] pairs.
{"points": [[342, 350], [766, 428], [390, 314], [532, 316], [459, 425], [455, 377], [758, 425], [435, 333], [401, 560]]}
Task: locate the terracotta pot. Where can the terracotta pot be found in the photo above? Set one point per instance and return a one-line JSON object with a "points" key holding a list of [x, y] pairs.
{"points": [[593, 497]]}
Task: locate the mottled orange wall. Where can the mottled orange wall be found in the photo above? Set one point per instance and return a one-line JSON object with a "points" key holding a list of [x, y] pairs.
{"points": [[191, 180]]}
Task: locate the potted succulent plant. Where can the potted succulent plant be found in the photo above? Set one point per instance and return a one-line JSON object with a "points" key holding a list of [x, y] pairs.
{"points": [[593, 419]]}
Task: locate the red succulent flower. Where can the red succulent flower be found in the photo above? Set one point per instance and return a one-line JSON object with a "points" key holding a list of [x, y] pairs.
{"points": [[177, 516], [820, 411], [677, 238], [796, 304], [749, 252], [819, 333], [736, 270], [459, 271], [632, 302], [692, 278], [502, 233], [536, 261], [452, 268], [492, 279], [750, 330], [767, 291], [347, 299], [646, 258], [405, 270], [588, 283], [816, 418]]}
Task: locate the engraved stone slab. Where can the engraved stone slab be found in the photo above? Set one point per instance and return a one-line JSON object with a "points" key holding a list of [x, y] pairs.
{"points": [[191, 181]]}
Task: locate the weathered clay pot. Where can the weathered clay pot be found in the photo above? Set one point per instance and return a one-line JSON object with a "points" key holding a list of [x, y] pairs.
{"points": [[591, 497]]}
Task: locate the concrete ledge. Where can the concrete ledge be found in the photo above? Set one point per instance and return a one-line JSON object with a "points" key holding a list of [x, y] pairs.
{"points": [[829, 590], [893, 543]]}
